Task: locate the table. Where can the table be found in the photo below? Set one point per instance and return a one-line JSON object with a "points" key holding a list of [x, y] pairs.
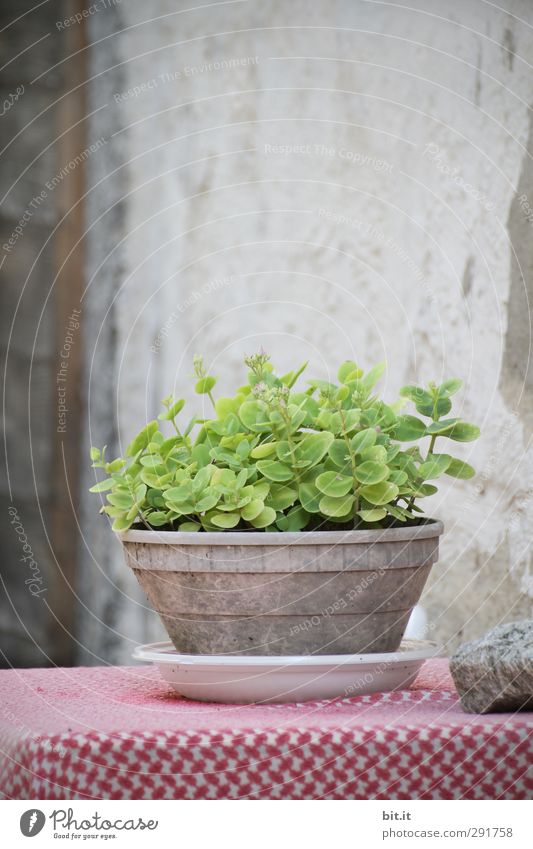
{"points": [[122, 733]]}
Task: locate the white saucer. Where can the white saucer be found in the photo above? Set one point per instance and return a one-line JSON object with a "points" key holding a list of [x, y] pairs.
{"points": [[245, 679]]}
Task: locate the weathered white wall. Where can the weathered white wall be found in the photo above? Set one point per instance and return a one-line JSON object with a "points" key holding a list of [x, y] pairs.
{"points": [[395, 231]]}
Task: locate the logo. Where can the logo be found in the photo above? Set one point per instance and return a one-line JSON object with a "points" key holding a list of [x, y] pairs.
{"points": [[32, 822]]}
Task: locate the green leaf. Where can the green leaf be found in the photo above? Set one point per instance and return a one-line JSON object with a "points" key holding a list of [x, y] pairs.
{"points": [[189, 527], [157, 518], [441, 427], [150, 461], [274, 471], [371, 472], [103, 486], [261, 489], [173, 411], [417, 395], [336, 507], [323, 419], [202, 478], [206, 503], [122, 524], [95, 454], [309, 497], [225, 520], [295, 520], [224, 478], [225, 406], [459, 469], [441, 407], [348, 371], [449, 387], [114, 512], [398, 477], [463, 432], [200, 455], [372, 515], [252, 509], [264, 519], [342, 393], [121, 499], [408, 428], [155, 498], [333, 483], [283, 452], [380, 493], [243, 449], [378, 453], [280, 496], [434, 466], [179, 493], [142, 439], [370, 379], [291, 377], [398, 512], [364, 440], [338, 453], [424, 490], [140, 493], [205, 385], [265, 449], [314, 446], [345, 422], [254, 416]]}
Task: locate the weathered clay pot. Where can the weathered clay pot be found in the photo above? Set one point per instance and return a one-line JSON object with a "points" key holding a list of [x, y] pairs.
{"points": [[322, 592]]}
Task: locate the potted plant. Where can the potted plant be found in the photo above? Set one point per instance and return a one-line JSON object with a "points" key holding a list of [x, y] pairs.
{"points": [[289, 523]]}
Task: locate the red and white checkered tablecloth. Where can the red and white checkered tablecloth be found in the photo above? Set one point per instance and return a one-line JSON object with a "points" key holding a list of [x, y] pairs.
{"points": [[122, 733]]}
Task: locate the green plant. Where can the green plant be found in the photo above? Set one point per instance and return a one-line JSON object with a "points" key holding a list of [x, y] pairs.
{"points": [[274, 458]]}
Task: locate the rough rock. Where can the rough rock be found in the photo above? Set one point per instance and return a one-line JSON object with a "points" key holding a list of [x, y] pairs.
{"points": [[495, 673]]}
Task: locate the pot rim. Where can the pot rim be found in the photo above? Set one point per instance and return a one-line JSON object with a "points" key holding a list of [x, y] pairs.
{"points": [[428, 529]]}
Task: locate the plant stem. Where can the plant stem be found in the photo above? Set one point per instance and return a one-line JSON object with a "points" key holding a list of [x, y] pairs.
{"points": [[430, 451], [292, 448], [353, 464], [431, 444], [176, 428]]}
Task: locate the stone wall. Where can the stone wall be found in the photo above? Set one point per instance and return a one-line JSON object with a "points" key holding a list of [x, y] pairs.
{"points": [[328, 180], [28, 264]]}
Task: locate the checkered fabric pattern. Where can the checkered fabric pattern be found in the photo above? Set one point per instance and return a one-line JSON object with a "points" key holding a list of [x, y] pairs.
{"points": [[122, 733]]}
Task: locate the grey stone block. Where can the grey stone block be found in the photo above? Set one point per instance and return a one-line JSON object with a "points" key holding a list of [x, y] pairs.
{"points": [[495, 673]]}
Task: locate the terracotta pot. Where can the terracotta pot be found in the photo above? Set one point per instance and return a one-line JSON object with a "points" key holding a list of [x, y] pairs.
{"points": [[322, 592]]}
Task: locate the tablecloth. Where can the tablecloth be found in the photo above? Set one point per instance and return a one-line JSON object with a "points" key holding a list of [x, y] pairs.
{"points": [[123, 733]]}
